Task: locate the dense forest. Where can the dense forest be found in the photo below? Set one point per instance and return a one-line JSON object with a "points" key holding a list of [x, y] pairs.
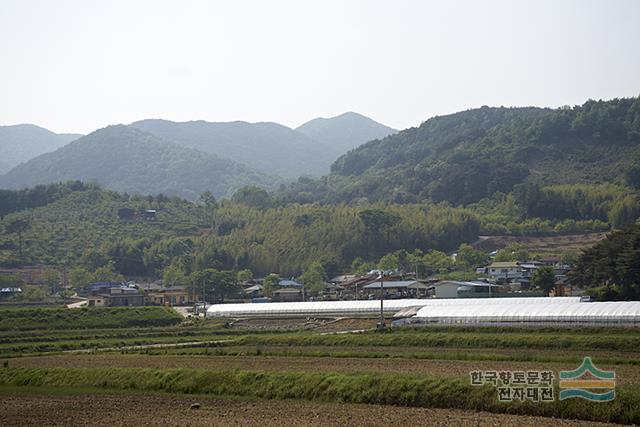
{"points": [[248, 231], [612, 267], [465, 157], [78, 224]]}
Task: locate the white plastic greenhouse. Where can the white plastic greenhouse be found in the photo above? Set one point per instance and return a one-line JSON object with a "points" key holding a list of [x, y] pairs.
{"points": [[370, 308], [318, 308], [566, 312]]}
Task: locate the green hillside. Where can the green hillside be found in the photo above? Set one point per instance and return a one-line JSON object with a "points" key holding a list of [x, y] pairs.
{"points": [[74, 219], [465, 157], [78, 224], [129, 160]]}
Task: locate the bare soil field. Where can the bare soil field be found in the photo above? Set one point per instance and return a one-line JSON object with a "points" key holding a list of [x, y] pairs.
{"points": [[111, 410], [551, 244], [625, 374], [318, 325]]}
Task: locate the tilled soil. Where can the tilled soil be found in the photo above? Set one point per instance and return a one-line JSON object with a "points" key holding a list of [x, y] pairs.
{"points": [[625, 374], [295, 324], [137, 410]]}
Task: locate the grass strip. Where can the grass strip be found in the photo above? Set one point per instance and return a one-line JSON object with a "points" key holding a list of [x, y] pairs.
{"points": [[385, 389], [217, 350], [419, 338], [23, 319]]}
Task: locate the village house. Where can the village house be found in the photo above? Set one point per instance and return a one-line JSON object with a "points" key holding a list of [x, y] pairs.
{"points": [[157, 294], [121, 296], [505, 270], [461, 289], [96, 288], [254, 291], [291, 294]]}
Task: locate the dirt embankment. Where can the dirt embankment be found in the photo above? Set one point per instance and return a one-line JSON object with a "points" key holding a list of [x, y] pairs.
{"points": [[550, 244]]}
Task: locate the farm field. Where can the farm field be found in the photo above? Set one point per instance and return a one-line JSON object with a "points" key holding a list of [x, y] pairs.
{"points": [[174, 411], [627, 374], [248, 371]]}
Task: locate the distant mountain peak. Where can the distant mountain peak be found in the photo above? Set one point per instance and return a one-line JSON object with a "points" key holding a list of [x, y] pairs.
{"points": [[22, 142], [345, 131]]}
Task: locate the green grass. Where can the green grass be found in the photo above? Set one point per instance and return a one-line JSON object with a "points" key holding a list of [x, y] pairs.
{"points": [[8, 350], [568, 340], [25, 319], [40, 336], [386, 389], [528, 344], [357, 353]]}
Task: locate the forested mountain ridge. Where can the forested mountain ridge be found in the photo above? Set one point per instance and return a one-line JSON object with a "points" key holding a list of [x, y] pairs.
{"points": [[464, 157], [345, 131], [129, 160], [267, 147], [270, 147], [19, 143]]}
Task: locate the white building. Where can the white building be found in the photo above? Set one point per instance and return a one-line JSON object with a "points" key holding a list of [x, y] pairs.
{"points": [[505, 270]]}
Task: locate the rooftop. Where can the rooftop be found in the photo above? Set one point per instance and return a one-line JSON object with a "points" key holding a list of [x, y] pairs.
{"points": [[467, 284], [289, 283], [254, 288], [287, 291], [505, 264], [396, 284]]}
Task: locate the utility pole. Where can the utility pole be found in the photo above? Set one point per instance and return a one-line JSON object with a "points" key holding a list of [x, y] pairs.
{"points": [[204, 299], [381, 324], [490, 288]]}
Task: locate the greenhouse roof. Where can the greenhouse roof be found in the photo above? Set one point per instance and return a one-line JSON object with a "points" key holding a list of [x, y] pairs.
{"points": [[568, 310], [347, 308]]}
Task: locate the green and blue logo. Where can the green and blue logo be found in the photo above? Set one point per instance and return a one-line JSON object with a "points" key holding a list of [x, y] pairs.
{"points": [[584, 381]]}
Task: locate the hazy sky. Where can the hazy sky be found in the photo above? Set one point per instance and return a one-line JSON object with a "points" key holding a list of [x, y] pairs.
{"points": [[74, 66]]}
